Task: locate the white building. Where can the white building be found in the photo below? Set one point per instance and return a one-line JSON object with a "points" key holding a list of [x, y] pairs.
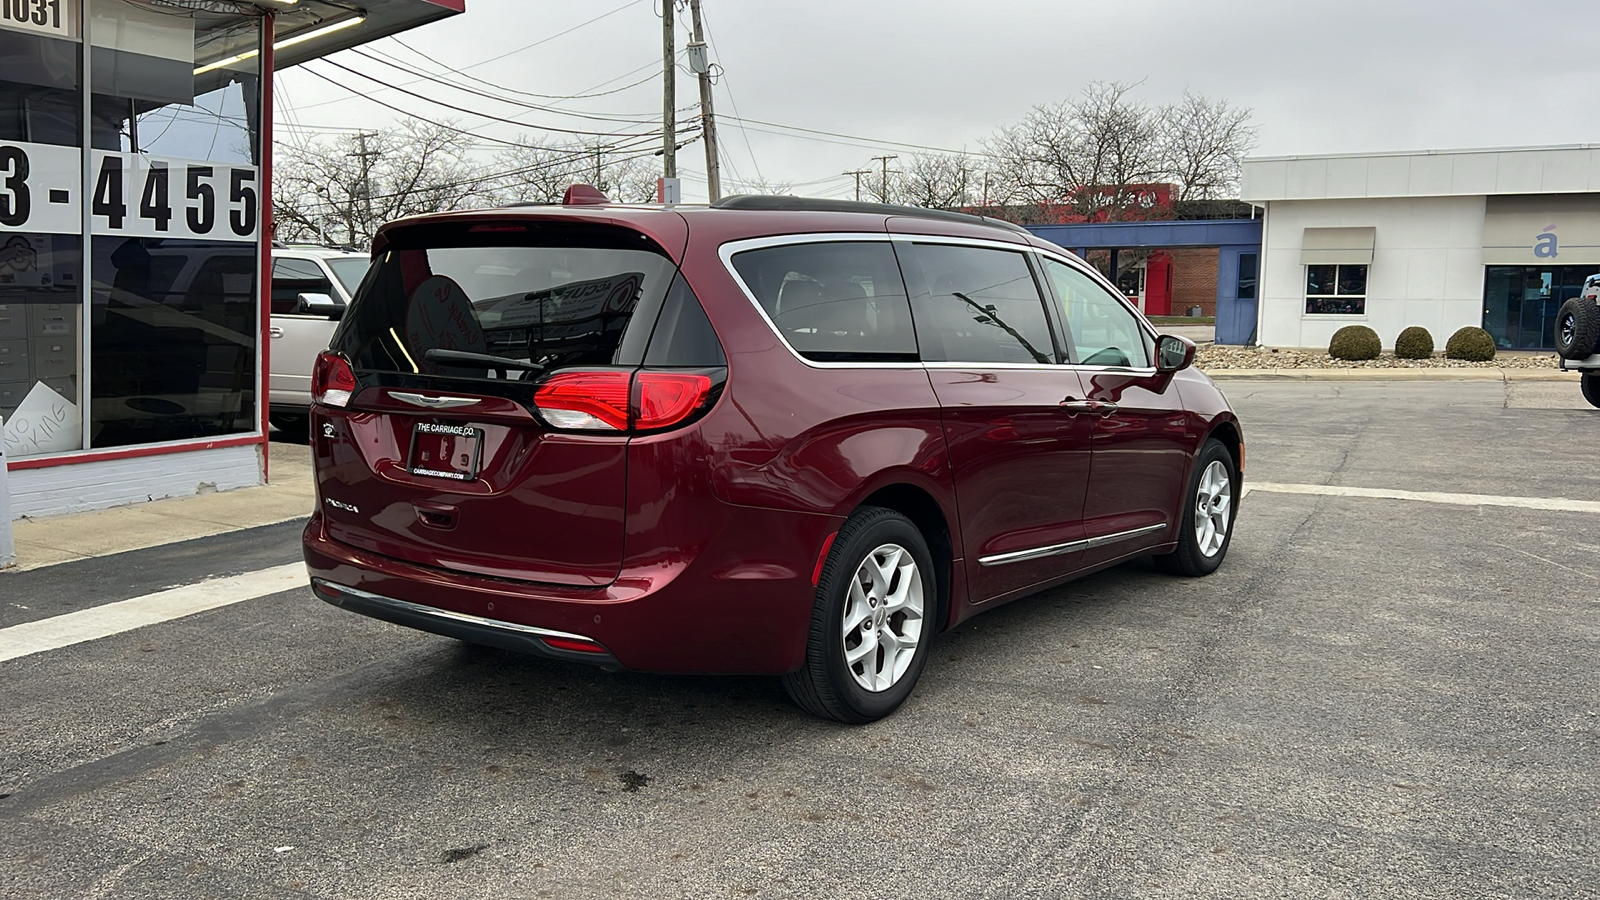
{"points": [[1497, 238]]}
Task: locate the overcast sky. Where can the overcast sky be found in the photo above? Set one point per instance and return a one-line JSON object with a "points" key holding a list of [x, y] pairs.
{"points": [[1326, 77]]}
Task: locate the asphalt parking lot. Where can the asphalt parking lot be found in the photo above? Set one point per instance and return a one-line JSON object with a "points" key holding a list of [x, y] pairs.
{"points": [[1374, 697]]}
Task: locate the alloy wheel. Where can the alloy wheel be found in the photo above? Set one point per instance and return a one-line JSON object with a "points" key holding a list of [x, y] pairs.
{"points": [[1212, 504], [883, 615]]}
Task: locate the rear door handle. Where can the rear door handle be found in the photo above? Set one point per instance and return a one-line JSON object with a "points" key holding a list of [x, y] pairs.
{"points": [[275, 331], [1099, 407]]}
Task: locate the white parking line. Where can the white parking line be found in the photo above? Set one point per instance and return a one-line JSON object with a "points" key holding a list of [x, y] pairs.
{"points": [[163, 606], [1331, 490]]}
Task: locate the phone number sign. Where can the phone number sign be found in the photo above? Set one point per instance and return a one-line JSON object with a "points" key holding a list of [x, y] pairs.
{"points": [[133, 195]]}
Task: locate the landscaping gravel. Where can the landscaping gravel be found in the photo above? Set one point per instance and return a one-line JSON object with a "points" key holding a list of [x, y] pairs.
{"points": [[1279, 358]]}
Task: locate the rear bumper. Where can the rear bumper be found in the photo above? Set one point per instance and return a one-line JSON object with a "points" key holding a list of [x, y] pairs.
{"points": [[473, 629], [738, 605]]}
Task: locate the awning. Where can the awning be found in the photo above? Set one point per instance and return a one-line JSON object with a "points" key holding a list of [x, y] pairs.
{"points": [[311, 29], [1542, 230], [1347, 246]]}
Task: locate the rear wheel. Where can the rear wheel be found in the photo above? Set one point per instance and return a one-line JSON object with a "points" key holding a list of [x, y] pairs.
{"points": [[1591, 388], [1577, 328], [1207, 525], [872, 621], [293, 425]]}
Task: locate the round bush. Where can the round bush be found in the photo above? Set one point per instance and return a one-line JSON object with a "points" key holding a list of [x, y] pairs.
{"points": [[1470, 343], [1355, 342], [1414, 343]]}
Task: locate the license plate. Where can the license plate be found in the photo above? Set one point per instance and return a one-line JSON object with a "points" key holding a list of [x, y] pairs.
{"points": [[445, 451]]}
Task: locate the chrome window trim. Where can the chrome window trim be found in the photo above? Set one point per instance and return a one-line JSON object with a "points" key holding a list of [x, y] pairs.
{"points": [[1000, 559], [726, 253]]}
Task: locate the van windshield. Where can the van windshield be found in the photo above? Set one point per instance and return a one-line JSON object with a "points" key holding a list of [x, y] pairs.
{"points": [[479, 307]]}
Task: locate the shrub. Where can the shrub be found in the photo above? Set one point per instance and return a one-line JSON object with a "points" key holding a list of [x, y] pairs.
{"points": [[1470, 343], [1414, 343], [1355, 342]]}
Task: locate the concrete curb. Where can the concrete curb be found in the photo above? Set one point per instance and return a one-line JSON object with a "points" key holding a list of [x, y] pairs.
{"points": [[1394, 374]]}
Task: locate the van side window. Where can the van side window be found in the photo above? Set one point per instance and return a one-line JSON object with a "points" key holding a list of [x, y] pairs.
{"points": [[1103, 330], [982, 306], [834, 301], [293, 277]]}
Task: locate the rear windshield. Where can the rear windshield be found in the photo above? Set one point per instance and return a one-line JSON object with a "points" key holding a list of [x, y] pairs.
{"points": [[468, 305]]}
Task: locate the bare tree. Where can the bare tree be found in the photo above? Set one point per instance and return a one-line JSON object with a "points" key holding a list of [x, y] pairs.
{"points": [[932, 181], [1092, 156], [1203, 142], [341, 191]]}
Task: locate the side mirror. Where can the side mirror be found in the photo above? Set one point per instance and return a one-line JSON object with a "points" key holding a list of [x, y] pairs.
{"points": [[320, 305], [1173, 353]]}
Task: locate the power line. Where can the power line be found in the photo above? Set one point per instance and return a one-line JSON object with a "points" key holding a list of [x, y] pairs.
{"points": [[870, 142], [434, 122], [728, 88], [633, 120], [425, 98]]}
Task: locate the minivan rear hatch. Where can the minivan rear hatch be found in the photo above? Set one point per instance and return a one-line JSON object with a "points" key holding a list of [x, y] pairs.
{"points": [[442, 455]]}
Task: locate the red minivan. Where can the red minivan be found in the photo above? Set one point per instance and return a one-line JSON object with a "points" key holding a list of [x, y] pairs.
{"points": [[773, 435]]}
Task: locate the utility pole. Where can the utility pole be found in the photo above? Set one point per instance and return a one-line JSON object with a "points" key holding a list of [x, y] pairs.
{"points": [[669, 83], [365, 156], [883, 194], [708, 121], [858, 173]]}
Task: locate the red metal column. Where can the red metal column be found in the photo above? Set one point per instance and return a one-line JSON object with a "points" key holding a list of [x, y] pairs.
{"points": [[264, 291]]}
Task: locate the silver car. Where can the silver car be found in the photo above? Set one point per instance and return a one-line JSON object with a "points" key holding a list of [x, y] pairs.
{"points": [[310, 288]]}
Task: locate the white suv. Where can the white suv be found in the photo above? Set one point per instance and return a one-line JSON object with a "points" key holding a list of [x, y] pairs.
{"points": [[310, 288]]}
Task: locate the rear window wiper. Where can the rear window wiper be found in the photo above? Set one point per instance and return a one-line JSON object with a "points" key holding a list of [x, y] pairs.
{"points": [[465, 359]]}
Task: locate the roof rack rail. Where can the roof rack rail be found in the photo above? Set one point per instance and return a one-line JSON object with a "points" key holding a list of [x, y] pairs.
{"points": [[819, 204]]}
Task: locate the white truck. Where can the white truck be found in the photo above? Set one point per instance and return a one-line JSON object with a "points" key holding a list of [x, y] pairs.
{"points": [[1578, 338]]}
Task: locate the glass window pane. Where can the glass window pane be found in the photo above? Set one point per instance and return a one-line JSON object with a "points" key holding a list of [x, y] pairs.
{"points": [[1352, 279], [547, 306], [148, 97], [40, 320], [173, 343], [349, 271], [1320, 279], [1338, 306], [1247, 276], [1104, 331], [841, 301], [983, 306]]}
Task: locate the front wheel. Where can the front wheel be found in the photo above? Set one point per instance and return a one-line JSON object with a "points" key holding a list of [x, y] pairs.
{"points": [[1207, 525], [873, 619], [1591, 388]]}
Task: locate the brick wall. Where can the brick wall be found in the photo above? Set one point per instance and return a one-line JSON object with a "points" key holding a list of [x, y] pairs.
{"points": [[1194, 280]]}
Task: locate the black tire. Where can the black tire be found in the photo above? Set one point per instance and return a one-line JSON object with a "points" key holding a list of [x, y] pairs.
{"points": [[292, 425], [825, 685], [1190, 558], [1591, 387], [1578, 328]]}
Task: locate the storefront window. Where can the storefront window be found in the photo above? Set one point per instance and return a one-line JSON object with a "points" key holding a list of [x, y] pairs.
{"points": [[159, 196], [1336, 290], [1520, 302], [175, 211], [41, 243]]}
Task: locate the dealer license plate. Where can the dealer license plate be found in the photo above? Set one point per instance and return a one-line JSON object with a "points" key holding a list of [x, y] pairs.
{"points": [[445, 451]]}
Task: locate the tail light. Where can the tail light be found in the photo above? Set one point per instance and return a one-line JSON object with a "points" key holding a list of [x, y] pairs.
{"points": [[333, 382], [588, 401], [614, 400], [667, 398]]}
